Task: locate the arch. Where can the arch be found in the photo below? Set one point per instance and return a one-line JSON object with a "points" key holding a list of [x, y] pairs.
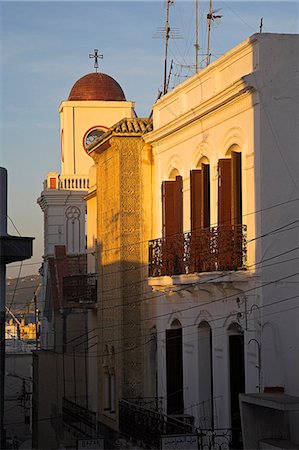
{"points": [[234, 329], [175, 324], [174, 318], [173, 174], [202, 160], [175, 165], [203, 316], [203, 149], [204, 324], [234, 137], [233, 148]]}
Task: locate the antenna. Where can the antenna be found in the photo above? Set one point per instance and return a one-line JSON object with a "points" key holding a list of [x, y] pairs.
{"points": [[261, 25], [167, 30], [196, 36], [210, 16], [167, 33], [169, 75]]}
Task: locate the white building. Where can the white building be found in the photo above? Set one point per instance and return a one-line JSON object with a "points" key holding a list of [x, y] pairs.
{"points": [[225, 294]]}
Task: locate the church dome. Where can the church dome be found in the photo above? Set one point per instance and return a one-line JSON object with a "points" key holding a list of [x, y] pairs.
{"points": [[97, 86]]}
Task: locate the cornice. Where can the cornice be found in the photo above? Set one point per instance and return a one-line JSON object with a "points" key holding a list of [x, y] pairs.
{"points": [[206, 108], [59, 198], [95, 104]]}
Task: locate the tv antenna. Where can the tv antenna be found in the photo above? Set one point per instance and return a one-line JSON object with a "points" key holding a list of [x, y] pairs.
{"points": [[167, 33], [211, 16], [196, 45]]}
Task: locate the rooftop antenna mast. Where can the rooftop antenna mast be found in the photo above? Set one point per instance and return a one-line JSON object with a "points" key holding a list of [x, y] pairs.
{"points": [[196, 36], [167, 31], [210, 16]]}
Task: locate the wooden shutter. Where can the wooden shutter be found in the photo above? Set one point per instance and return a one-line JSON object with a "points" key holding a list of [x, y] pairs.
{"points": [[236, 186], [200, 198], [172, 217], [224, 192], [196, 199], [206, 195], [172, 207]]}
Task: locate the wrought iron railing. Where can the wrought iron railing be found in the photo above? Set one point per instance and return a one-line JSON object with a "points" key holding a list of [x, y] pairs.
{"points": [[80, 290], [219, 439], [141, 424], [153, 403], [147, 425], [78, 420], [210, 249]]}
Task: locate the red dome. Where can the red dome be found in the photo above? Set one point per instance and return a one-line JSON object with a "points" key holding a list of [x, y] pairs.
{"points": [[97, 86]]}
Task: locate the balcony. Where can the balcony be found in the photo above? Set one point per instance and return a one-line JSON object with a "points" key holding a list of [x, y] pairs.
{"points": [[207, 250], [80, 291]]}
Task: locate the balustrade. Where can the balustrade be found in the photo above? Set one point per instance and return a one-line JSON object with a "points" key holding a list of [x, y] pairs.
{"points": [[146, 425], [207, 250]]}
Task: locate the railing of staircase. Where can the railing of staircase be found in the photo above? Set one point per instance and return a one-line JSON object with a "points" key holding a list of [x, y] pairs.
{"points": [[139, 423]]}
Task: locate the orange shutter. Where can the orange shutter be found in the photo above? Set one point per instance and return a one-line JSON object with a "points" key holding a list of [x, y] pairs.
{"points": [[172, 207], [196, 199], [206, 195], [200, 198], [236, 169], [172, 217], [224, 192]]}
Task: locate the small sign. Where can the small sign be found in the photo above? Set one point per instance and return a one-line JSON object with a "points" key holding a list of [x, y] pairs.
{"points": [[179, 442], [90, 443]]}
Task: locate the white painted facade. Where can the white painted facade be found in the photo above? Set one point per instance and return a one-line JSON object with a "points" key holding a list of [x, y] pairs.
{"points": [[246, 101]]}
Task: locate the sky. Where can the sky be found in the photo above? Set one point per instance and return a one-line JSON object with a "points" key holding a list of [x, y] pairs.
{"points": [[44, 49]]}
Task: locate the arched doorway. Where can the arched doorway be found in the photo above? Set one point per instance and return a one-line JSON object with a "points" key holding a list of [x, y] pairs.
{"points": [[174, 369]]}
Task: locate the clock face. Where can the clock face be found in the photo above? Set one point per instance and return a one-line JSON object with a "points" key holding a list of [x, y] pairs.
{"points": [[92, 135]]}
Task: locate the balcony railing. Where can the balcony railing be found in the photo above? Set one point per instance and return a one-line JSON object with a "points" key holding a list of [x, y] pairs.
{"points": [[80, 290], [78, 420], [207, 250], [147, 425], [143, 424]]}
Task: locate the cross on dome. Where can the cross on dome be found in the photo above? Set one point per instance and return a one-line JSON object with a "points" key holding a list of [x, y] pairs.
{"points": [[96, 56]]}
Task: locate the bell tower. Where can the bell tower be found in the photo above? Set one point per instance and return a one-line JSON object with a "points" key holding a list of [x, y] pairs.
{"points": [[95, 103]]}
